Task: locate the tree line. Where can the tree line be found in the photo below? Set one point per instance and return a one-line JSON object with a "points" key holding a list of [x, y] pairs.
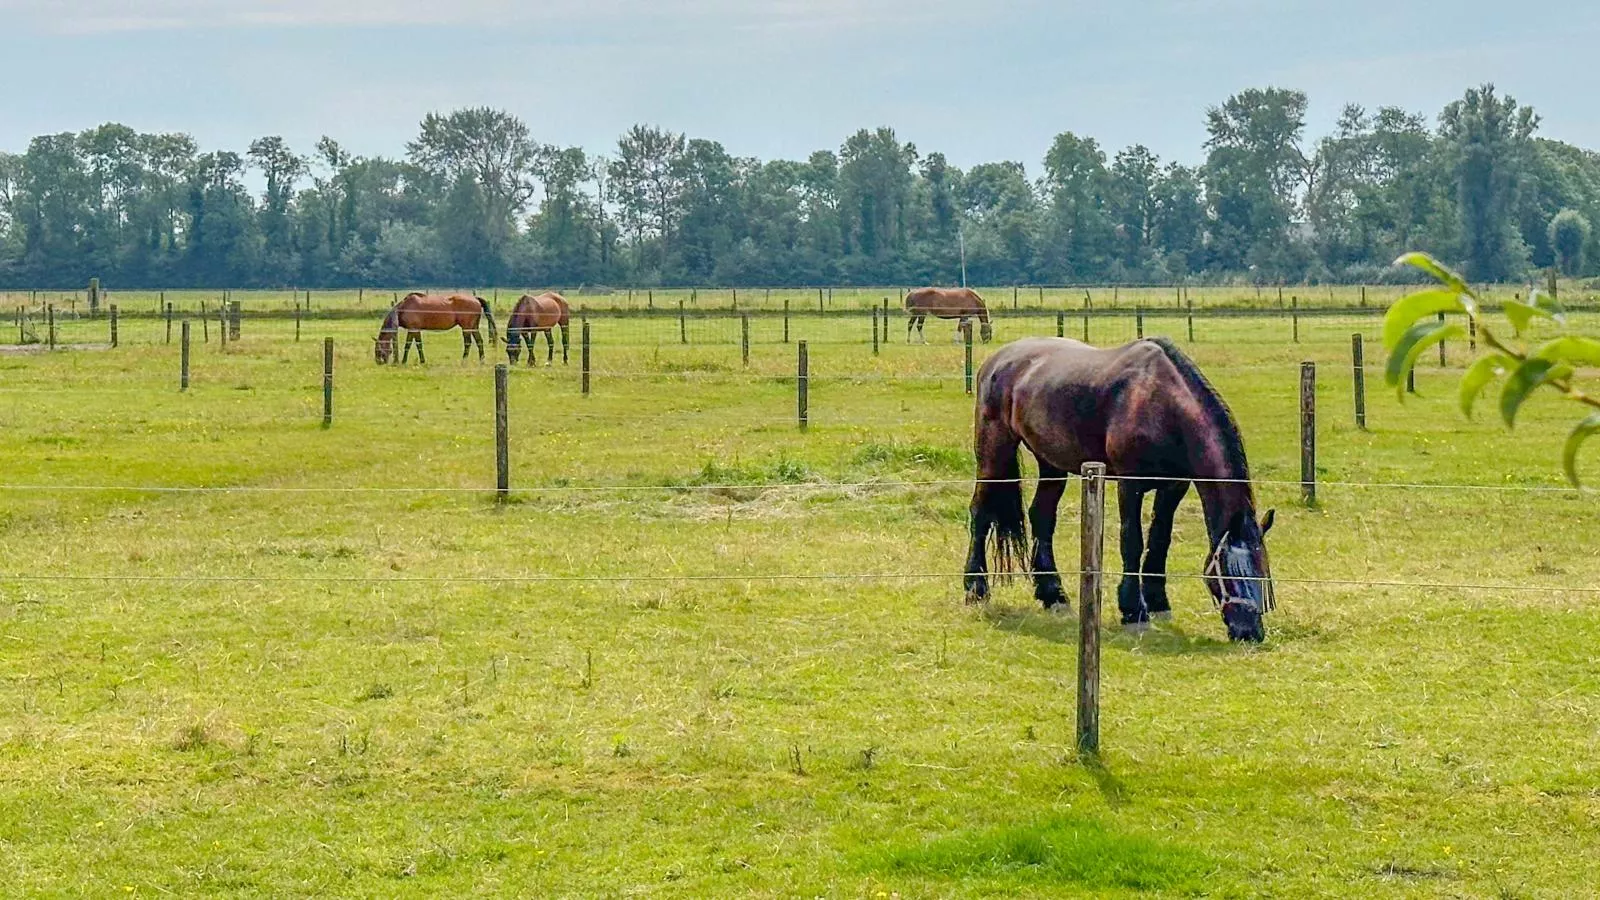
{"points": [[476, 200]]}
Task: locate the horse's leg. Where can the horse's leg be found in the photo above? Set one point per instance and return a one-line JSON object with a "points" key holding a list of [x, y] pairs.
{"points": [[1042, 516], [996, 502], [406, 356], [1168, 496], [550, 345], [911, 323], [1130, 600], [961, 325], [477, 338], [421, 360]]}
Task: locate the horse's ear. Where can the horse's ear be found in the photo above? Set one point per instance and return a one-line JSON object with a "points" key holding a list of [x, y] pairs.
{"points": [[1267, 520]]}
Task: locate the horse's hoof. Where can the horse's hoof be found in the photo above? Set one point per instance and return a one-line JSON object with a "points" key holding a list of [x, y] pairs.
{"points": [[1060, 610], [1136, 628], [1164, 615], [975, 598]]}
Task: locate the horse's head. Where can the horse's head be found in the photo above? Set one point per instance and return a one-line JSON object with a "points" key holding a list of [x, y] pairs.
{"points": [[986, 331], [382, 348], [514, 347], [1240, 577]]}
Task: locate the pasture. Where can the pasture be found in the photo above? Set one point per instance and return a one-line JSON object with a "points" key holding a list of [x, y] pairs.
{"points": [[702, 653]]}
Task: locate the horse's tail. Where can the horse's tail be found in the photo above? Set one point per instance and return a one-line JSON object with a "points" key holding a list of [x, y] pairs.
{"points": [[1000, 504], [494, 336]]}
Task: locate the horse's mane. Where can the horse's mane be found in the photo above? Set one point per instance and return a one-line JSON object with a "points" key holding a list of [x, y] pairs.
{"points": [[1215, 408]]}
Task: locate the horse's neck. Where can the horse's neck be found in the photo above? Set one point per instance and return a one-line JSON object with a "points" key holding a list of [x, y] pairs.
{"points": [[1223, 486]]}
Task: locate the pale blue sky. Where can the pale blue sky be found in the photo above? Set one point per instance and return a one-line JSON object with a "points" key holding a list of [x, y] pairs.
{"points": [[977, 81]]}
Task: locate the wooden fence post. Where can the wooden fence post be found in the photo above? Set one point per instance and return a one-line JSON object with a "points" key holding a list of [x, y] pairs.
{"points": [[235, 319], [1441, 346], [1472, 334], [113, 325], [683, 328], [1061, 324], [183, 359], [169, 317], [327, 382], [803, 384], [1138, 323], [1191, 319], [50, 314], [297, 321], [584, 355], [205, 324], [1308, 432], [786, 320], [502, 452], [744, 337], [222, 325], [966, 336], [1295, 315], [821, 307], [1013, 296], [1359, 373], [874, 331], [1091, 552]]}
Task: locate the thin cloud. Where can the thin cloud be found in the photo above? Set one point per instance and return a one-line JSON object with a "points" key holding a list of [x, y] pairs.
{"points": [[103, 16]]}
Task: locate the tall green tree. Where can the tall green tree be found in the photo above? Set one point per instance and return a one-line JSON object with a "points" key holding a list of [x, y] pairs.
{"points": [[1488, 139], [1255, 173], [1079, 232], [1569, 237], [484, 158]]}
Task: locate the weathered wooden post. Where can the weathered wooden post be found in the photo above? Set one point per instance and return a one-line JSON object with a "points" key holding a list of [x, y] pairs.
{"points": [[736, 299], [744, 337], [113, 325], [1359, 373], [584, 355], [966, 339], [183, 358], [821, 306], [1138, 323], [502, 452], [683, 327], [1061, 324], [874, 331], [1472, 334], [1091, 552], [1441, 346], [297, 321], [50, 321], [786, 320], [222, 325], [327, 382], [1191, 319], [1308, 432], [235, 318], [205, 324], [1014, 296], [169, 317], [94, 298], [803, 383], [1295, 316]]}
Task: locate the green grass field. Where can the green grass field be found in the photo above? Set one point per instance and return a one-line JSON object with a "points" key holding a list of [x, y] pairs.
{"points": [[356, 674]]}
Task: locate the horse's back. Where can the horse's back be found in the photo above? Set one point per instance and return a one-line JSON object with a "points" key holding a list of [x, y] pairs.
{"points": [[540, 310], [957, 301], [1061, 396]]}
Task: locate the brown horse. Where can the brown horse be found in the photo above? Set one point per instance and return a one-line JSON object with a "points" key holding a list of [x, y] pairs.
{"points": [[946, 303], [418, 312], [1145, 411], [533, 315]]}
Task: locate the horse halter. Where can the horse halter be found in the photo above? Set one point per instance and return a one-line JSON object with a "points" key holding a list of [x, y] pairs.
{"points": [[1231, 587]]}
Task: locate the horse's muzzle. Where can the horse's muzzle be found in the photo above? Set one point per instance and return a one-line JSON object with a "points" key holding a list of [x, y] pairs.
{"points": [[1244, 621]]}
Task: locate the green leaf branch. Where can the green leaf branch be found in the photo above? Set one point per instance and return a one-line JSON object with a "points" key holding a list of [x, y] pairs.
{"points": [[1414, 323]]}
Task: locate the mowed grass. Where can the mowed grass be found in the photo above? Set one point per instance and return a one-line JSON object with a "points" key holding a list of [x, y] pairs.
{"points": [[752, 674]]}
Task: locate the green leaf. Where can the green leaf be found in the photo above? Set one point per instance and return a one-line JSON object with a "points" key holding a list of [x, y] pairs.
{"points": [[1409, 309], [1523, 380], [1578, 351], [1521, 314], [1485, 370], [1569, 455], [1418, 338], [1546, 301], [1439, 270]]}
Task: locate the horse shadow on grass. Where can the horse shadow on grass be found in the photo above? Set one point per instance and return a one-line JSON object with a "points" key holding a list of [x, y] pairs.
{"points": [[1167, 639]]}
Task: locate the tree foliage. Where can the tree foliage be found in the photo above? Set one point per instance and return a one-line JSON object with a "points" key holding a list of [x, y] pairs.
{"points": [[476, 198]]}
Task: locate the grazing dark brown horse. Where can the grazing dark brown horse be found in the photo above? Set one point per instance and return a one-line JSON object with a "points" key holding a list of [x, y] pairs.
{"points": [[418, 312], [1145, 411], [946, 303], [534, 315]]}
